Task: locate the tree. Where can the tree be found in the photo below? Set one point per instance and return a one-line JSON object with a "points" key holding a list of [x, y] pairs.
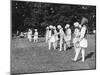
{"points": [[40, 15]]}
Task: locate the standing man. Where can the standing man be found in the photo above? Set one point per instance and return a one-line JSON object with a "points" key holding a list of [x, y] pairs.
{"points": [[61, 33], [56, 36], [29, 35], [76, 38], [35, 36], [83, 41], [47, 34], [17, 33], [67, 36], [52, 38], [82, 44]]}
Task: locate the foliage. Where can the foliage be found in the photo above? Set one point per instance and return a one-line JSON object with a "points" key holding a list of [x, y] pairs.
{"points": [[40, 15]]}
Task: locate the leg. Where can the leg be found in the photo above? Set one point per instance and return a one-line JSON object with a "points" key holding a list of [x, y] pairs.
{"points": [[46, 39], [74, 48], [34, 40], [68, 43], [83, 54], [60, 46], [61, 42], [64, 46], [77, 50], [54, 45], [49, 45], [29, 39], [37, 39]]}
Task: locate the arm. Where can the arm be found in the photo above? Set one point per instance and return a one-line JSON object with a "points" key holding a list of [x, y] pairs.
{"points": [[82, 33]]}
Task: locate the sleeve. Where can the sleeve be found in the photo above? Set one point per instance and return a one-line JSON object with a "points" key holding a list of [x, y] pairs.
{"points": [[69, 31], [82, 33]]}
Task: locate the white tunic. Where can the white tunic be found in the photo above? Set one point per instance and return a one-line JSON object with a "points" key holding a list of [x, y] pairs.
{"points": [[56, 35], [21, 34], [68, 35], [29, 35], [52, 37], [47, 35], [76, 35], [61, 32], [83, 40], [36, 35]]}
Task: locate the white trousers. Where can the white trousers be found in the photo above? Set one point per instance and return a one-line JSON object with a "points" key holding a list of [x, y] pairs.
{"points": [[67, 43], [35, 39], [77, 52], [80, 47], [46, 38], [61, 43], [29, 38], [52, 40]]}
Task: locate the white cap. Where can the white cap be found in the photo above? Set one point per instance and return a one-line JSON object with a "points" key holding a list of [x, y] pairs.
{"points": [[29, 29], [94, 31], [59, 26], [54, 27], [50, 26], [35, 29], [67, 26], [76, 24], [80, 26], [47, 27]]}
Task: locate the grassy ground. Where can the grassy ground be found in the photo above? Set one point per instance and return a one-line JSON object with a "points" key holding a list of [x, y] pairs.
{"points": [[29, 57]]}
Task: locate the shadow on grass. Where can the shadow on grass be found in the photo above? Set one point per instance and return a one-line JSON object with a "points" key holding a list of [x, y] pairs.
{"points": [[87, 56]]}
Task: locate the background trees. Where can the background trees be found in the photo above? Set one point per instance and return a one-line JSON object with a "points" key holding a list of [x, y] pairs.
{"points": [[39, 15]]}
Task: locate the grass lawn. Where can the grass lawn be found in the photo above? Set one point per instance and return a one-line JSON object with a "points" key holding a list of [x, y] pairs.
{"points": [[32, 57]]}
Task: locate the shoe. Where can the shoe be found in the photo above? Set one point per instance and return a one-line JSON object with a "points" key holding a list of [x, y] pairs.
{"points": [[82, 61], [60, 50], [74, 60]]}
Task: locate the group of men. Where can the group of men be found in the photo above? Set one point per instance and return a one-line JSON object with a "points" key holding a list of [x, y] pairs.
{"points": [[58, 38], [64, 39], [30, 36]]}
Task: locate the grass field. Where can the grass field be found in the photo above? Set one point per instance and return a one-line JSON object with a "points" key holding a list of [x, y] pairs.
{"points": [[29, 57]]}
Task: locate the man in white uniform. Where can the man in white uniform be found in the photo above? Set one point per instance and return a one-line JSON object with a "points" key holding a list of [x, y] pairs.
{"points": [[61, 33], [35, 36], [47, 34], [56, 35], [17, 33], [83, 41], [94, 31], [52, 38], [29, 35], [82, 44], [67, 36], [76, 39], [25, 34]]}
